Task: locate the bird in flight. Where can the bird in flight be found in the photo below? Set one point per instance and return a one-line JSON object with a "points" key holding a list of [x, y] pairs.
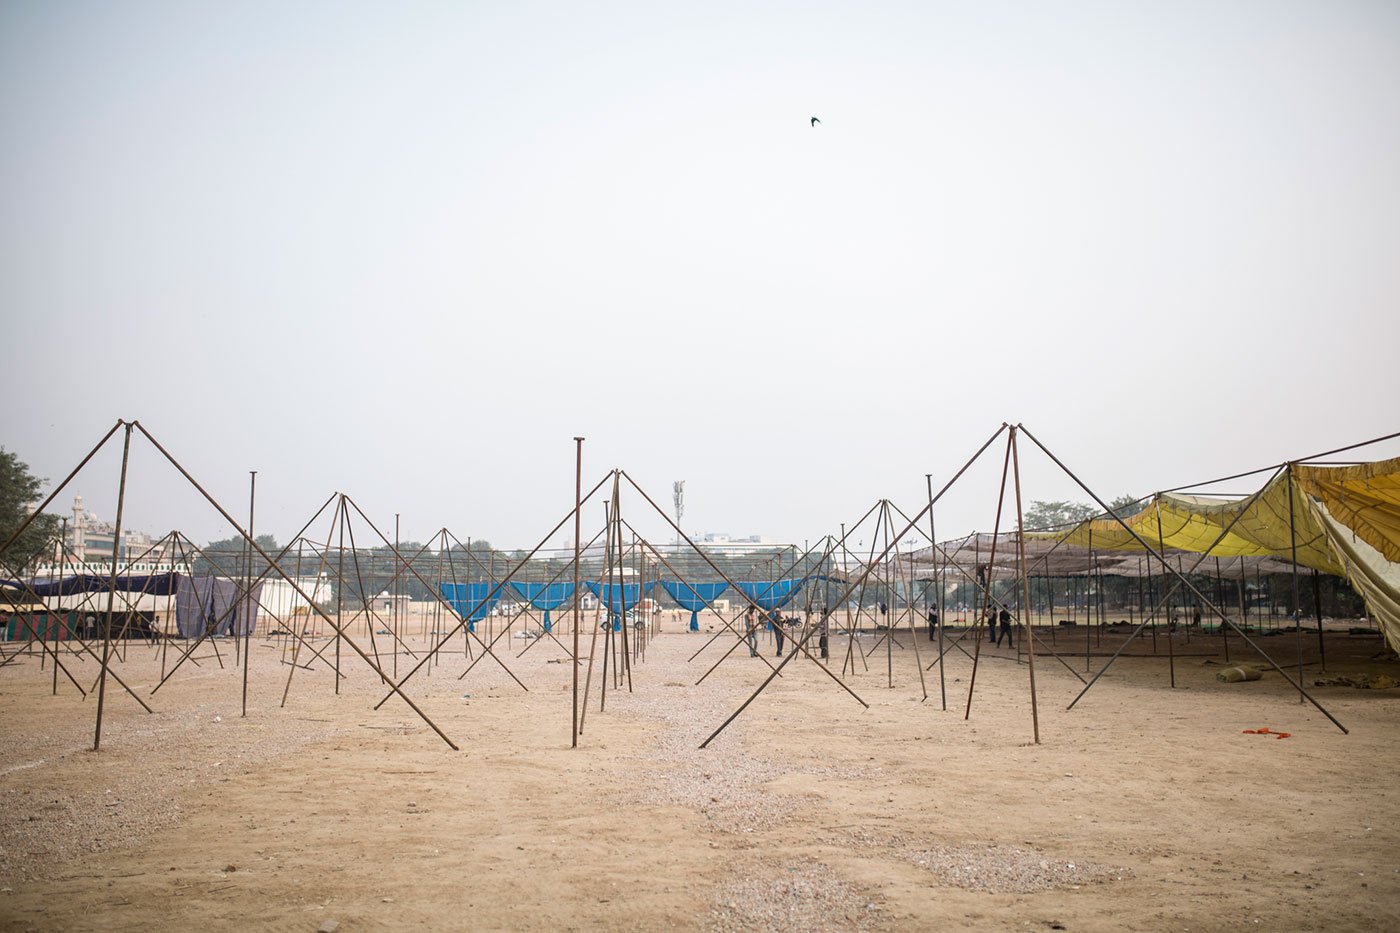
{"points": [[815, 121]]}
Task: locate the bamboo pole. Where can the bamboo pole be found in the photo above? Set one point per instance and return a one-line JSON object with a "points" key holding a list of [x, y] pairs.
{"points": [[578, 490], [1026, 586], [250, 612], [112, 587]]}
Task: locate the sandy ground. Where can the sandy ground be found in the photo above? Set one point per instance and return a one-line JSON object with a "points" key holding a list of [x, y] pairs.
{"points": [[1142, 808]]}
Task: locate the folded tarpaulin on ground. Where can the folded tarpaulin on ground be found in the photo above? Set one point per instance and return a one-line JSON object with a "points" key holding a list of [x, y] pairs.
{"points": [[771, 594], [694, 596], [544, 596], [150, 584], [211, 605]]}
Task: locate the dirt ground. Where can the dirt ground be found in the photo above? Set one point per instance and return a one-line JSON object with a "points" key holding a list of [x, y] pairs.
{"points": [[1143, 808]]}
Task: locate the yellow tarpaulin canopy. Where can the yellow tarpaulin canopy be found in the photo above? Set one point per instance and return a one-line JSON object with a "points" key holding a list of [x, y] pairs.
{"points": [[1344, 521], [1365, 498], [1199, 524]]}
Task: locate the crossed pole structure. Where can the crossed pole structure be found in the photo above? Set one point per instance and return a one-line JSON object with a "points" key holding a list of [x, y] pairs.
{"points": [[1011, 462], [888, 571], [128, 430]]}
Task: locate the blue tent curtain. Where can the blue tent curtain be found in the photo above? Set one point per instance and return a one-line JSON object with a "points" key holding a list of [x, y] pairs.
{"points": [[771, 594], [694, 596], [470, 597], [619, 599], [545, 596]]}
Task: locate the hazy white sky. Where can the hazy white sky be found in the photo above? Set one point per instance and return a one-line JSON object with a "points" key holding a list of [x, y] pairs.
{"points": [[409, 250]]}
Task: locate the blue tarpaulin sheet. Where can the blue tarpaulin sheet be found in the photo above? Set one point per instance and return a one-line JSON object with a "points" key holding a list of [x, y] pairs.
{"points": [[619, 599], [771, 594], [545, 596], [471, 598], [694, 596]]}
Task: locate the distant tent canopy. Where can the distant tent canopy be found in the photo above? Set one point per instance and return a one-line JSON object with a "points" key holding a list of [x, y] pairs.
{"points": [[469, 600], [1048, 557], [203, 604], [546, 596], [153, 584], [620, 599], [771, 594], [1339, 520], [694, 597], [1194, 523]]}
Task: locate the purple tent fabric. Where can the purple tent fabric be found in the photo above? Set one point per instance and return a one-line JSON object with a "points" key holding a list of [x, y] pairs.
{"points": [[207, 604]]}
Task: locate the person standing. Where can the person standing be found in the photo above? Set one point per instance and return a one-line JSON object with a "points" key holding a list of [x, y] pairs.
{"points": [[1005, 629], [822, 632], [777, 618], [991, 623], [932, 623], [752, 633]]}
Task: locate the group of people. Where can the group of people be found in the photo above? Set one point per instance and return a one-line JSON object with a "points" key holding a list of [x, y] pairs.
{"points": [[779, 624], [998, 627], [993, 617]]}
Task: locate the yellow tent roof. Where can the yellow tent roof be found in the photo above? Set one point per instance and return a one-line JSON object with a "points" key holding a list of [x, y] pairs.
{"points": [[1339, 520], [1257, 526], [1365, 498]]}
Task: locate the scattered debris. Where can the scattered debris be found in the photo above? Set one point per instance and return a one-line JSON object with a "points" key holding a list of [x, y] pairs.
{"points": [[1359, 681], [1235, 675], [1264, 730]]}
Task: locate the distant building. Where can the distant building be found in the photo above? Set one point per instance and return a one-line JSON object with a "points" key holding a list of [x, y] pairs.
{"points": [[724, 544], [90, 546]]}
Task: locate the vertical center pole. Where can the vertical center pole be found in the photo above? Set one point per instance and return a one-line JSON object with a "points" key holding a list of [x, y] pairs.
{"points": [[1028, 635], [933, 539], [578, 518], [889, 594], [1088, 618], [986, 584], [1293, 555], [1220, 598], [63, 572], [339, 590], [1317, 607], [395, 615], [249, 612], [111, 588], [1162, 549]]}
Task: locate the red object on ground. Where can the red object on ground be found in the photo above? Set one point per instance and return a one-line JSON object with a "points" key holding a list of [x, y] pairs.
{"points": [[1264, 730]]}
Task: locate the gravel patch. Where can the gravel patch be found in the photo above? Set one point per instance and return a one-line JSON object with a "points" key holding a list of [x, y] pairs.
{"points": [[43, 824], [991, 867], [723, 782], [59, 800], [791, 897], [1003, 869]]}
